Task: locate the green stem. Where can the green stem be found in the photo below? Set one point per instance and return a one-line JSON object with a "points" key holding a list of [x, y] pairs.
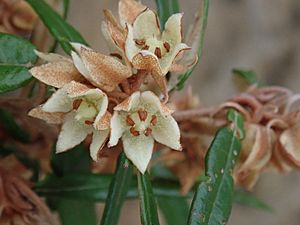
{"points": [[117, 191], [148, 208]]}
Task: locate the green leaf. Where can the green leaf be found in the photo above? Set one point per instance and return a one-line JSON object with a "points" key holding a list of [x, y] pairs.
{"points": [[13, 77], [94, 187], [247, 199], [165, 9], [58, 27], [212, 202], [72, 161], [148, 209], [74, 212], [117, 191], [237, 120], [248, 75], [16, 50], [203, 24], [66, 8], [175, 210], [12, 128]]}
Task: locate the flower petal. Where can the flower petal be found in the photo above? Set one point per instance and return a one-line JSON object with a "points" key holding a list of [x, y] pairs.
{"points": [[72, 133], [57, 73], [52, 118], [103, 122], [146, 25], [116, 32], [166, 132], [168, 59], [59, 101], [131, 49], [51, 57], [290, 142], [130, 103], [257, 144], [173, 29], [98, 141], [105, 72], [129, 10], [138, 149], [152, 103], [146, 60], [117, 127]]}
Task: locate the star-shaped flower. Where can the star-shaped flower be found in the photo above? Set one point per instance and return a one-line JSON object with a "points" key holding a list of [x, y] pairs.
{"points": [[140, 120], [149, 49], [81, 108]]}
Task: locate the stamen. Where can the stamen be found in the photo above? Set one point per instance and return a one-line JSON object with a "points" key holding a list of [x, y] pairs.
{"points": [[153, 120], [76, 103], [140, 41], [129, 121], [146, 47], [157, 52], [117, 55], [142, 114], [134, 132], [88, 122], [167, 46], [148, 131]]}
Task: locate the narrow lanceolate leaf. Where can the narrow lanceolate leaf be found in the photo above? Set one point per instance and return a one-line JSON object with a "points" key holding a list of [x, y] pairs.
{"points": [[165, 9], [10, 125], [94, 187], [200, 43], [13, 77], [213, 199], [59, 28], [148, 208], [16, 50], [174, 210], [66, 8], [247, 199], [247, 75], [117, 191]]}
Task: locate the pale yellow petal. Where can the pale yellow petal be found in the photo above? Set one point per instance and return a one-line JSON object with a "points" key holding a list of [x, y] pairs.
{"points": [[129, 10], [59, 101], [168, 59], [117, 128], [138, 149], [51, 118], [166, 132], [131, 102], [72, 133], [173, 30], [146, 25], [98, 140]]}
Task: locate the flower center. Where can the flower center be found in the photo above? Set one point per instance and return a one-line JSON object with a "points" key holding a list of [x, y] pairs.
{"points": [[140, 122], [86, 111], [152, 44]]}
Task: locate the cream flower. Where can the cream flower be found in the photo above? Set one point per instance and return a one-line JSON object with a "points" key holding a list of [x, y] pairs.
{"points": [[140, 120], [82, 110], [102, 71], [149, 49]]}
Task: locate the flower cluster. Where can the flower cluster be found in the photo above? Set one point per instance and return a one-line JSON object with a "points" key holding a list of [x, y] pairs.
{"points": [[102, 95], [272, 122]]}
